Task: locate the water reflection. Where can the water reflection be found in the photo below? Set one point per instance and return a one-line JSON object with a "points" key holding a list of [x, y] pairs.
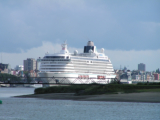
{"points": [[10, 92]]}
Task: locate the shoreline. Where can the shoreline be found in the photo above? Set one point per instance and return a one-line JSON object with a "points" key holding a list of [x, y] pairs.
{"points": [[146, 97]]}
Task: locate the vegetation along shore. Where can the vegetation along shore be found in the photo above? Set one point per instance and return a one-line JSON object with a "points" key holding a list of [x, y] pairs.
{"points": [[148, 92]]}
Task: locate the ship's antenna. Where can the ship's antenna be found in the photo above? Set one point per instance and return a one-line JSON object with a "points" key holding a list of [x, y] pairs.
{"points": [[65, 42], [87, 38]]}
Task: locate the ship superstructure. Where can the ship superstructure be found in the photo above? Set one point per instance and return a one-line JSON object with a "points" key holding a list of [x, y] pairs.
{"points": [[79, 68]]}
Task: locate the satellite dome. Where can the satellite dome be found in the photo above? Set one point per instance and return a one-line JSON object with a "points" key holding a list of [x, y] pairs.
{"points": [[90, 51], [75, 52], [102, 50]]}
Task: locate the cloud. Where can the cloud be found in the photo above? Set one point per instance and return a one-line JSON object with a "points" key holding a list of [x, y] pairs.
{"points": [[130, 59], [117, 25], [17, 58]]}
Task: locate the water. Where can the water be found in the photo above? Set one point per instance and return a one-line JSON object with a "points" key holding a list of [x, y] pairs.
{"points": [[42, 109]]}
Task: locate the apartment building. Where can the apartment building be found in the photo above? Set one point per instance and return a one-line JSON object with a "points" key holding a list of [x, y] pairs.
{"points": [[30, 64]]}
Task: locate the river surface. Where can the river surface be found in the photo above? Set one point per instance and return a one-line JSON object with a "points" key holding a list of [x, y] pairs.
{"points": [[42, 109]]}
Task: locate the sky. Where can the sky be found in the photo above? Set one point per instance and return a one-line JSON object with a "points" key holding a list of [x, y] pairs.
{"points": [[128, 30]]}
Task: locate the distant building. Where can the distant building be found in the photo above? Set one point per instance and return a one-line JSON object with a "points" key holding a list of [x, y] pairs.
{"points": [[38, 63], [125, 69], [156, 76], [13, 72], [30, 64], [5, 68], [32, 73], [19, 68], [141, 67], [136, 77]]}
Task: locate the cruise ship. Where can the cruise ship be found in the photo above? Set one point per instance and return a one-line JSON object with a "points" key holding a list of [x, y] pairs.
{"points": [[77, 68]]}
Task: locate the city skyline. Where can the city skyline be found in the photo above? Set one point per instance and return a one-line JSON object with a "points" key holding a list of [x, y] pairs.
{"points": [[127, 30]]}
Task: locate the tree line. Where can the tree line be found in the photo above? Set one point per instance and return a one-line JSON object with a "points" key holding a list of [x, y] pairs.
{"points": [[4, 77]]}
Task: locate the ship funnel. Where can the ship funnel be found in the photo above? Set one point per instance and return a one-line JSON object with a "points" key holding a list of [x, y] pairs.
{"points": [[90, 46], [90, 43]]}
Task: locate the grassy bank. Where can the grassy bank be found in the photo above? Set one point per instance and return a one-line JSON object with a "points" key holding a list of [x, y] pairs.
{"points": [[93, 89]]}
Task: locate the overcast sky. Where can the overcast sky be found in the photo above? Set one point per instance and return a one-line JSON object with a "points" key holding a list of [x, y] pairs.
{"points": [[128, 30]]}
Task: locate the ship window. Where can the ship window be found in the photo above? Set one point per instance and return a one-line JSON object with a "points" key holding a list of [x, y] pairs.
{"points": [[54, 57]]}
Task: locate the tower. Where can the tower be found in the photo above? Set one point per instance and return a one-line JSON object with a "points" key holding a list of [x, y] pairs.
{"points": [[142, 67], [30, 64]]}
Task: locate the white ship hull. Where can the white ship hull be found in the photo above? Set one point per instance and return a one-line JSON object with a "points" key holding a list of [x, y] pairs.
{"points": [[74, 78]]}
